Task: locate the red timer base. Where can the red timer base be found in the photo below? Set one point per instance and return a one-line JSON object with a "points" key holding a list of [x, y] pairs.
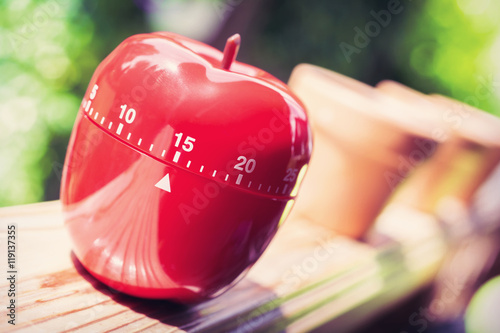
{"points": [[161, 245], [176, 193]]}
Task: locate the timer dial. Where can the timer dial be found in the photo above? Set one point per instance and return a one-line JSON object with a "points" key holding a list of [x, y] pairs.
{"points": [[181, 166]]}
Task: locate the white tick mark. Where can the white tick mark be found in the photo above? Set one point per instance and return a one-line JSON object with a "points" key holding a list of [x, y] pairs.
{"points": [[119, 129], [176, 156]]}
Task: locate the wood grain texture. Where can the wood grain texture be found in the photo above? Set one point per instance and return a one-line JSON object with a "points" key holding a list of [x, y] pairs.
{"points": [[306, 278]]}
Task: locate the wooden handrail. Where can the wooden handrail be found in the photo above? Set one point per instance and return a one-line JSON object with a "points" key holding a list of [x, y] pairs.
{"points": [[304, 280]]}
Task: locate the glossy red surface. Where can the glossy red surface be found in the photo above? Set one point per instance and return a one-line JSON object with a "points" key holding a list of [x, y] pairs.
{"points": [[179, 172]]}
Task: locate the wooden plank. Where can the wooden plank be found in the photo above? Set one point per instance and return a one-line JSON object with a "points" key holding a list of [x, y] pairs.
{"points": [[305, 279]]}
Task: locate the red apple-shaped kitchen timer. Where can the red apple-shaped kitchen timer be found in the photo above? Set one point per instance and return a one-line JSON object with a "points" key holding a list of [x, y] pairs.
{"points": [[181, 166]]}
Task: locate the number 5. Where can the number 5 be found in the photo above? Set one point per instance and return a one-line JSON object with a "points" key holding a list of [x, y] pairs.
{"points": [[94, 91]]}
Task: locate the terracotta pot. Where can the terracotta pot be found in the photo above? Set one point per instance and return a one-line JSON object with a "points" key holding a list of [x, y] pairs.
{"points": [[475, 150], [364, 145], [469, 152]]}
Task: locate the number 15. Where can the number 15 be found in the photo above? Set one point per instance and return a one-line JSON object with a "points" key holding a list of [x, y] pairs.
{"points": [[188, 144]]}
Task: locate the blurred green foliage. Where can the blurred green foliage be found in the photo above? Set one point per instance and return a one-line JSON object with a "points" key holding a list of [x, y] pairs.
{"points": [[441, 46], [49, 50], [449, 48]]}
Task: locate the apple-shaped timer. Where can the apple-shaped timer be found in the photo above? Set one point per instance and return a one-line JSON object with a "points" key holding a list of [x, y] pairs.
{"points": [[181, 165]]}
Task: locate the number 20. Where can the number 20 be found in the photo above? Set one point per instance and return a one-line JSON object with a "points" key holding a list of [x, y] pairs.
{"points": [[244, 164]]}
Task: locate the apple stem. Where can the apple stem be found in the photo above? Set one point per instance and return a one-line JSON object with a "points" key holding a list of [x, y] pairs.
{"points": [[230, 51]]}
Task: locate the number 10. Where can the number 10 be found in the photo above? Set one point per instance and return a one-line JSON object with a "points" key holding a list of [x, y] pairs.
{"points": [[129, 115]]}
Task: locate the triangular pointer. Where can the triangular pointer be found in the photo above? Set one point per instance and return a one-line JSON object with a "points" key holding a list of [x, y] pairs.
{"points": [[164, 183]]}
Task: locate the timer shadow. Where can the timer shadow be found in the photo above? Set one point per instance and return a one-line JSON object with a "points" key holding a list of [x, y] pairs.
{"points": [[225, 312]]}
